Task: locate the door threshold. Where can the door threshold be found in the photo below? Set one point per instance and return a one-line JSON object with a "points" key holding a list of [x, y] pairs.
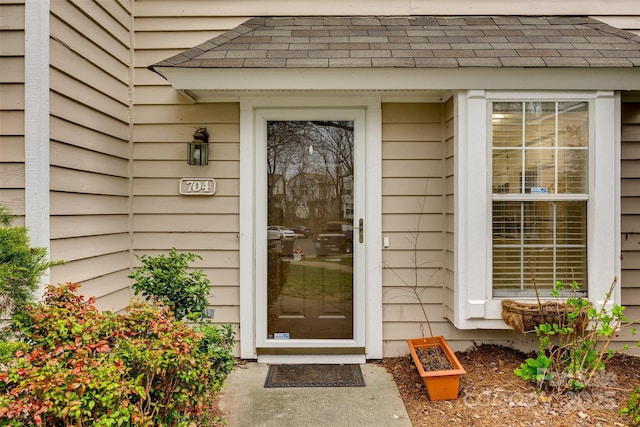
{"points": [[318, 351], [283, 359], [317, 355]]}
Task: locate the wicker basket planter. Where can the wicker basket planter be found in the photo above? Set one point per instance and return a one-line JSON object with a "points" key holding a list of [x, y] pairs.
{"points": [[524, 317]]}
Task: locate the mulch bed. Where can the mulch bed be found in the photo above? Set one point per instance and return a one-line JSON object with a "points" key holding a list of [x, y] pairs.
{"points": [[492, 395]]}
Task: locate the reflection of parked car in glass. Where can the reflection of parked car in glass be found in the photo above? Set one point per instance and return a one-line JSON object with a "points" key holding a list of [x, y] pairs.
{"points": [[301, 230], [276, 232], [336, 238]]}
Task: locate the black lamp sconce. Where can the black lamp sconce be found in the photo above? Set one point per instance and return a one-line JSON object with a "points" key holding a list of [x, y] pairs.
{"points": [[198, 149]]}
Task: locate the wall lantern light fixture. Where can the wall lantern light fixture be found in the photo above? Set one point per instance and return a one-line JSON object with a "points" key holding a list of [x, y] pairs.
{"points": [[198, 149]]}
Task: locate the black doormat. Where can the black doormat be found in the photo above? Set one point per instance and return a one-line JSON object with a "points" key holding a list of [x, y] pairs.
{"points": [[314, 376]]}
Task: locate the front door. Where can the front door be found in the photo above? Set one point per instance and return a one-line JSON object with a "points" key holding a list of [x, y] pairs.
{"points": [[310, 229], [314, 239]]}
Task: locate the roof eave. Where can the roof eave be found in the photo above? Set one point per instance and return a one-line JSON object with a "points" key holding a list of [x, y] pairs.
{"points": [[397, 79]]}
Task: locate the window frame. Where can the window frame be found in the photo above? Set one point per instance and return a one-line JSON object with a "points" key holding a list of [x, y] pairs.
{"points": [[520, 197], [474, 303]]}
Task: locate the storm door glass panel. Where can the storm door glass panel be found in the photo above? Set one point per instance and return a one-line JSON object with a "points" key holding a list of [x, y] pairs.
{"points": [[310, 229]]}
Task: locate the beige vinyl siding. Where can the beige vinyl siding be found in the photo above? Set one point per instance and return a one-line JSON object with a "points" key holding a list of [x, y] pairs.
{"points": [[164, 121], [12, 179], [232, 8], [448, 264], [630, 23], [204, 225], [630, 188], [412, 218], [630, 205], [90, 71]]}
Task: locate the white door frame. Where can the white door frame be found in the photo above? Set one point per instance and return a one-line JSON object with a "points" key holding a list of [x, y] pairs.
{"points": [[366, 112]]}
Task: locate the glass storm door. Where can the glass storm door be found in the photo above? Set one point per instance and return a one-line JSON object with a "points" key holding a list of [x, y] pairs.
{"points": [[310, 230]]}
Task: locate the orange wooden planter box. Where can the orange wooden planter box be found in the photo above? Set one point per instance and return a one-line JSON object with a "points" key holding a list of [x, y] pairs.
{"points": [[441, 385]]}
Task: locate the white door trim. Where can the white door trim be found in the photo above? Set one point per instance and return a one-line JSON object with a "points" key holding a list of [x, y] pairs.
{"points": [[368, 318]]}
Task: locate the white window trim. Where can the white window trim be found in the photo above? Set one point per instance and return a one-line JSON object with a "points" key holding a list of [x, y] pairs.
{"points": [[252, 162], [475, 306]]}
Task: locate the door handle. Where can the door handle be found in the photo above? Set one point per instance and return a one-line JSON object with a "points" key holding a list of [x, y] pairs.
{"points": [[361, 230]]}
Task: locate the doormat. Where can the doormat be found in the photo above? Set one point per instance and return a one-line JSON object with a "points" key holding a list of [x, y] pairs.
{"points": [[314, 376]]}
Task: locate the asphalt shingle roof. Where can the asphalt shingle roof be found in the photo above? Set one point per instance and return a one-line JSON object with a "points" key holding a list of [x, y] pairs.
{"points": [[415, 42]]}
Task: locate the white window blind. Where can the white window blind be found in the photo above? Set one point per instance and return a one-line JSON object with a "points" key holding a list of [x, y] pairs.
{"points": [[539, 195]]}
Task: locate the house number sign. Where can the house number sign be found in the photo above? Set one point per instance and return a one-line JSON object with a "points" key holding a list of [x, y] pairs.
{"points": [[197, 186]]}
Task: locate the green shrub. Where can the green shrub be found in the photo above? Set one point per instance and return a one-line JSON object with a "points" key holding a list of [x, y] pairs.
{"points": [[633, 407], [21, 266], [217, 343], [84, 367], [165, 279], [8, 349], [568, 359]]}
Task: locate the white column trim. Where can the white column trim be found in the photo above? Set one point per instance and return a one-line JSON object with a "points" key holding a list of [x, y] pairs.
{"points": [[617, 206], [373, 231], [36, 126], [604, 236], [471, 279], [247, 231]]}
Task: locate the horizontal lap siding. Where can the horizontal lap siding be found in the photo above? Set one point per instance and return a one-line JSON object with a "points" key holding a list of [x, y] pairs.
{"points": [[630, 187], [164, 122], [12, 177], [630, 23], [90, 147], [630, 206], [412, 219], [448, 263], [234, 8], [205, 225]]}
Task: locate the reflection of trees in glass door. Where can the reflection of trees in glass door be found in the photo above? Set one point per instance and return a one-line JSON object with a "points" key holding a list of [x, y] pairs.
{"points": [[310, 191]]}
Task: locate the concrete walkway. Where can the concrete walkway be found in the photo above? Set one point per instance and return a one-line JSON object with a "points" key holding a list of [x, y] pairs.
{"points": [[246, 403]]}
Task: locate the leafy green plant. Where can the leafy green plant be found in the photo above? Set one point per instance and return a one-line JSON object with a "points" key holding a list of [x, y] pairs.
{"points": [[83, 367], [8, 349], [633, 407], [166, 279], [217, 343], [568, 358], [21, 266], [537, 369]]}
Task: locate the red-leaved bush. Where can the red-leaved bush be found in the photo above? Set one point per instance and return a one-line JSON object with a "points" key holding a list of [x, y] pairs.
{"points": [[84, 367]]}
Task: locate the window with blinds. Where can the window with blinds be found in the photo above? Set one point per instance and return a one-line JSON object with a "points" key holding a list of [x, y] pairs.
{"points": [[540, 193]]}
